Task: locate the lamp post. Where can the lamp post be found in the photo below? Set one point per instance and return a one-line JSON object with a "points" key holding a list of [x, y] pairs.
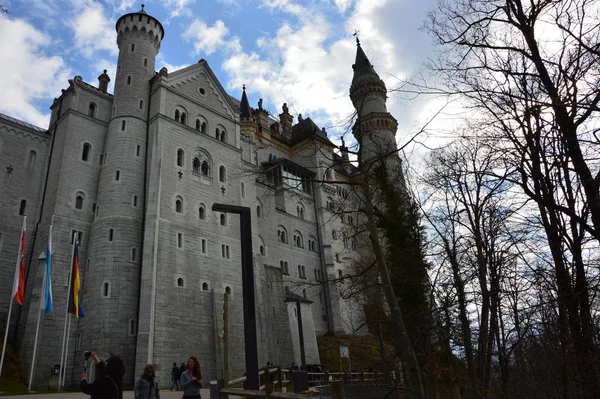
{"points": [[252, 381]]}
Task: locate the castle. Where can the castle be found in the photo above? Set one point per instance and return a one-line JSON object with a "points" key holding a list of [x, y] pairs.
{"points": [[134, 176]]}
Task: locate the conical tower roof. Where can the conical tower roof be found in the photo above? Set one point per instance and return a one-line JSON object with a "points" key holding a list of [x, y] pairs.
{"points": [[362, 66], [244, 105]]}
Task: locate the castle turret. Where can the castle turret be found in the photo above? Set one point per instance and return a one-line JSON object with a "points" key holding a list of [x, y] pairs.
{"points": [[286, 121], [375, 128], [103, 81], [112, 279]]}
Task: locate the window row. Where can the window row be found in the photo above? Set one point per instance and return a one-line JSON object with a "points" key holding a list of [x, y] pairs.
{"points": [[180, 282], [86, 154], [282, 236], [201, 125], [200, 164]]}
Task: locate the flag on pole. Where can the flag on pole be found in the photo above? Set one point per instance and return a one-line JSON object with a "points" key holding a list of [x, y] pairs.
{"points": [[18, 291], [46, 302], [75, 307]]}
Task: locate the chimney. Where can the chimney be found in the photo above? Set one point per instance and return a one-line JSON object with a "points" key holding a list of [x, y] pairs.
{"points": [[285, 120], [103, 81]]}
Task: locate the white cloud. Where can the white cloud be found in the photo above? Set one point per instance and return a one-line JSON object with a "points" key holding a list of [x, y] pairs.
{"points": [[343, 5], [93, 30], [207, 39], [27, 74], [178, 8]]}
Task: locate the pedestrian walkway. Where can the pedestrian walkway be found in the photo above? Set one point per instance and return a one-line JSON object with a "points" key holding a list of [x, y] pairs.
{"points": [[164, 394]]}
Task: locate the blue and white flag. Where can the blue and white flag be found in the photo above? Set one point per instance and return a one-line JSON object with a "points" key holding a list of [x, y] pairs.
{"points": [[46, 300]]}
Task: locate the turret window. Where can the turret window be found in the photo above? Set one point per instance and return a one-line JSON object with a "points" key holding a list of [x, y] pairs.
{"points": [[92, 110], [85, 153], [145, 62], [141, 104], [111, 234], [117, 175], [123, 125], [79, 200], [128, 80], [105, 289], [132, 46], [179, 205], [222, 174], [204, 286], [31, 159], [23, 208]]}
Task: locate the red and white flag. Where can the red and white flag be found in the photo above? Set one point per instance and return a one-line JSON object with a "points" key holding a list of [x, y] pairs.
{"points": [[18, 291]]}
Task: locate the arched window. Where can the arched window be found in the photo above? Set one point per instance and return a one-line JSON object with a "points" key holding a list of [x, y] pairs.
{"points": [[201, 212], [217, 134], [298, 241], [205, 168], [262, 249], [203, 128], [180, 282], [223, 219], [180, 157], [23, 208], [204, 286], [31, 159], [177, 114], [282, 234], [196, 165], [261, 246], [92, 110], [179, 204], [85, 154], [79, 200], [198, 124], [228, 290], [223, 136], [258, 212], [183, 118], [222, 174]]}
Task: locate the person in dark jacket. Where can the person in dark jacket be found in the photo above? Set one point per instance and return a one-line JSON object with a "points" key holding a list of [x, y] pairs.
{"points": [[175, 377], [147, 386], [109, 387], [182, 368]]}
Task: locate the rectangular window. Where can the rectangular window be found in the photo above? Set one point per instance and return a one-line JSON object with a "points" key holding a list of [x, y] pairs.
{"points": [[79, 236], [134, 200], [133, 254], [203, 246], [179, 240], [141, 104], [138, 150], [101, 159], [225, 251], [132, 327], [123, 125], [128, 80]]}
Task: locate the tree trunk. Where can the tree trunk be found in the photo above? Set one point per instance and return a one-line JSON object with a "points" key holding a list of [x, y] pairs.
{"points": [[409, 357]]}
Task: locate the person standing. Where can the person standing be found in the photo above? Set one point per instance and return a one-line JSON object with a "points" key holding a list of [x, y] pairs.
{"points": [[175, 377], [191, 380], [147, 387], [108, 387], [182, 368]]}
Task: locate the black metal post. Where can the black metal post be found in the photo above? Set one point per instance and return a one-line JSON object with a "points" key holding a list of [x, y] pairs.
{"points": [[301, 336], [250, 340]]}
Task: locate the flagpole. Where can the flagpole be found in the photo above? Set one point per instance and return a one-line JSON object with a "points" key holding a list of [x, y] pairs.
{"points": [[37, 329], [12, 294], [62, 352], [67, 353], [6, 335]]}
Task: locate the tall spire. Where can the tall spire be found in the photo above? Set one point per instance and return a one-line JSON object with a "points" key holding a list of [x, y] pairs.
{"points": [[362, 66], [244, 105]]}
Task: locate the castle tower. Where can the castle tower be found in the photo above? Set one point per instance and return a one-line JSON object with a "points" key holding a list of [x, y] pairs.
{"points": [[112, 277], [375, 128]]}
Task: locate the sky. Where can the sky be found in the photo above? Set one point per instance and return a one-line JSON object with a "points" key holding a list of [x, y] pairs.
{"points": [[295, 51]]}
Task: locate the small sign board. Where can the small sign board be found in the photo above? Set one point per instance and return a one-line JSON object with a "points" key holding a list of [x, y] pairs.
{"points": [[344, 352]]}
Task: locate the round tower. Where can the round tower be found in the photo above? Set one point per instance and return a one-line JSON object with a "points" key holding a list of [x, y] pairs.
{"points": [[112, 272], [375, 128]]}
